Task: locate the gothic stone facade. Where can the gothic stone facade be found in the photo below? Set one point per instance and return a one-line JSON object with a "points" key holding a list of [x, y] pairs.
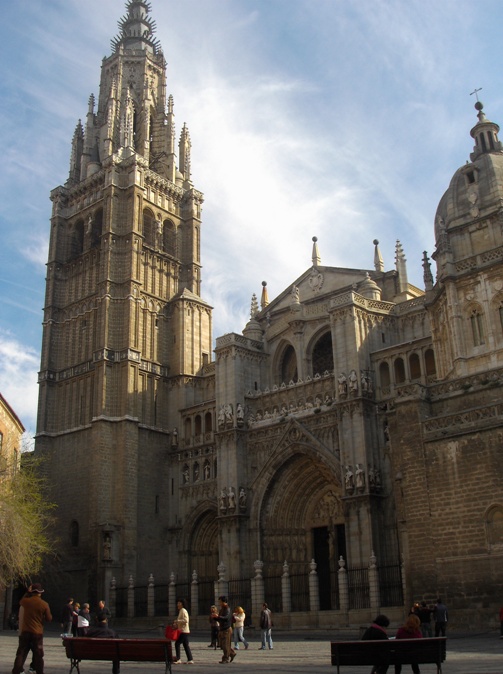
{"points": [[355, 415]]}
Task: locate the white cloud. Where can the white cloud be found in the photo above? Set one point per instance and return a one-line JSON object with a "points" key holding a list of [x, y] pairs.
{"points": [[19, 366]]}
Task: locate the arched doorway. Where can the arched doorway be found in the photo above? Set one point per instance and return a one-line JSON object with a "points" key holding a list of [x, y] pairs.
{"points": [[302, 519], [203, 558]]}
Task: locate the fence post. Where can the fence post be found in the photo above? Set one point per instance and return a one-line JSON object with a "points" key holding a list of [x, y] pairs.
{"points": [[257, 589], [172, 596], [113, 597], [151, 596], [314, 591], [130, 597], [375, 599], [286, 590], [194, 594], [221, 586], [342, 577]]}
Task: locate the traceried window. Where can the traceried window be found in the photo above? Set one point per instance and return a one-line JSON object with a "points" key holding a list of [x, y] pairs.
{"points": [[429, 362], [477, 325], [149, 228], [415, 366], [323, 357]]}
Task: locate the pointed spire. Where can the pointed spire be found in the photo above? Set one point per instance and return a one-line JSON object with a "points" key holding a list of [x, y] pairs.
{"points": [[137, 29], [264, 300], [485, 134], [184, 147], [316, 253], [427, 275], [401, 267], [254, 306], [378, 261], [76, 155]]}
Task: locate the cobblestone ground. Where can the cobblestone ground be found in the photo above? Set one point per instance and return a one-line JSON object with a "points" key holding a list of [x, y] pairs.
{"points": [[292, 653]]}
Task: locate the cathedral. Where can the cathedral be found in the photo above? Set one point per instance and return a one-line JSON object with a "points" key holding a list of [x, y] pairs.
{"points": [[348, 440]]}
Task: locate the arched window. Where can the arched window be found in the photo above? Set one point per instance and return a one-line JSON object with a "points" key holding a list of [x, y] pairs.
{"points": [[198, 425], [384, 375], [477, 325], [414, 366], [77, 239], [96, 228], [399, 371], [323, 357], [429, 363], [149, 227], [169, 238], [208, 422], [74, 534], [188, 429], [494, 526], [289, 366]]}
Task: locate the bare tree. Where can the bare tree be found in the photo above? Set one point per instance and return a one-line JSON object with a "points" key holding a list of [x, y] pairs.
{"points": [[25, 515]]}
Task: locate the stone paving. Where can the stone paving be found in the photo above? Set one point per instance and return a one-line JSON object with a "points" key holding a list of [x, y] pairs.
{"points": [[293, 653]]}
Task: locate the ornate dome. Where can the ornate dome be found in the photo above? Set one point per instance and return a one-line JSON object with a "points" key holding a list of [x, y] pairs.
{"points": [[476, 189]]}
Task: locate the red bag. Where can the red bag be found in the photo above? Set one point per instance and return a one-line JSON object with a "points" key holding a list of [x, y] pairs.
{"points": [[172, 633]]}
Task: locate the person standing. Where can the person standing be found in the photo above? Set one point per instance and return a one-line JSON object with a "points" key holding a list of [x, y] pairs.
{"points": [[182, 623], [83, 620], [238, 619], [424, 614], [377, 630], [266, 627], [67, 617], [410, 630], [225, 631], [214, 627], [35, 612], [103, 610], [102, 631], [440, 615]]}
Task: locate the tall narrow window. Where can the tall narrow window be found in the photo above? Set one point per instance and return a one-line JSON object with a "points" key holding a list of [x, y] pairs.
{"points": [[477, 328]]}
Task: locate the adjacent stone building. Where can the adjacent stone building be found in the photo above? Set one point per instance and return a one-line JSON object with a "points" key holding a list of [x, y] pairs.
{"points": [[356, 421]]}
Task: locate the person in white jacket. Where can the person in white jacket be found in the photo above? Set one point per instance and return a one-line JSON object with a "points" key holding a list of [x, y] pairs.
{"points": [[182, 623]]}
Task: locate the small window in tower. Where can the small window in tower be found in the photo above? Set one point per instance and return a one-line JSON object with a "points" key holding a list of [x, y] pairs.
{"points": [[156, 322], [470, 177], [383, 338], [477, 328]]}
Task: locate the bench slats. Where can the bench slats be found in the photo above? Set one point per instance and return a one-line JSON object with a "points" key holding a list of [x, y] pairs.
{"points": [[122, 650], [389, 652]]}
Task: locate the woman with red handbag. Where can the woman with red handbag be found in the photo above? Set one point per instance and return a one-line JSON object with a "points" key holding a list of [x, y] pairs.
{"points": [[182, 623]]}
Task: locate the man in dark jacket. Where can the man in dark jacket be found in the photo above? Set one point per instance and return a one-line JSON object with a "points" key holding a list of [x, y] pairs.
{"points": [[440, 615], [36, 611], [225, 631], [103, 631], [377, 631]]}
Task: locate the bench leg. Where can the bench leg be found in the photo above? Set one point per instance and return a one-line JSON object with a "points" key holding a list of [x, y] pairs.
{"points": [[74, 665]]}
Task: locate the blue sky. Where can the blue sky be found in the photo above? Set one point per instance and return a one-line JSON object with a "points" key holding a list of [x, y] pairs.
{"points": [[343, 120]]}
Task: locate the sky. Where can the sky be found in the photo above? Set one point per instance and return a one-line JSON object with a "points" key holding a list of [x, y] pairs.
{"points": [[340, 119]]}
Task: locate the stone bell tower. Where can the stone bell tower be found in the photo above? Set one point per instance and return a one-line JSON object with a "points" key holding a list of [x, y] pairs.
{"points": [[124, 324]]}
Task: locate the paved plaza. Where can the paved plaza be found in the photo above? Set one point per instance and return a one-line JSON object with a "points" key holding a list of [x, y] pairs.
{"points": [[292, 653]]}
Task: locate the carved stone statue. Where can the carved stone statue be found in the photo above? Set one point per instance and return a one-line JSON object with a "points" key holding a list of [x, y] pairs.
{"points": [[107, 548], [185, 474], [221, 416], [206, 470], [242, 499], [349, 479], [360, 477], [222, 501], [229, 415], [343, 386], [353, 382], [240, 414], [231, 499]]}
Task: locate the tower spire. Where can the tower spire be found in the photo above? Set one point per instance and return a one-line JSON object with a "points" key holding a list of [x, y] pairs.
{"points": [[137, 29], [485, 134]]}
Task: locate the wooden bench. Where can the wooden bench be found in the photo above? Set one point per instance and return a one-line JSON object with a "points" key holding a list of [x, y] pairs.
{"points": [[118, 650], [389, 652]]}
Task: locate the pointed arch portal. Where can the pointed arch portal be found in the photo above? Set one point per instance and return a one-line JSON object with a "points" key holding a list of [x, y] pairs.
{"points": [[301, 519]]}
